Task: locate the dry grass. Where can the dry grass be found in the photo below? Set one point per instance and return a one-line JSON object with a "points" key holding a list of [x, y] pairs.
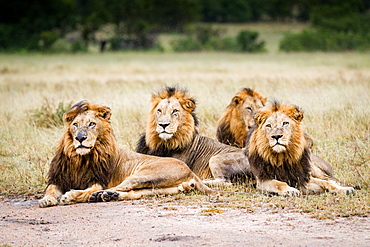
{"points": [[332, 88]]}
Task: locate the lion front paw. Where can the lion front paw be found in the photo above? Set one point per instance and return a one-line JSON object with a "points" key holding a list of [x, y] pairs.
{"points": [[345, 190], [48, 202], [103, 196], [66, 199], [290, 192]]}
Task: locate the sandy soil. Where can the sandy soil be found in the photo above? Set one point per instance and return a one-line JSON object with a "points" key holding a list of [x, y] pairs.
{"points": [[139, 223]]}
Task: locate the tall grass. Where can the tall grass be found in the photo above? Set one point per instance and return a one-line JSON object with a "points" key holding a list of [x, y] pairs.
{"points": [[332, 88]]}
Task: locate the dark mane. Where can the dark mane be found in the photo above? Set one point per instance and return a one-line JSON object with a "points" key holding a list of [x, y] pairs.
{"points": [[295, 174], [68, 170]]}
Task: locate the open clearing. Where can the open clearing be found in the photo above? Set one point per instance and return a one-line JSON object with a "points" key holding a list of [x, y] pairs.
{"points": [[139, 223], [332, 88]]}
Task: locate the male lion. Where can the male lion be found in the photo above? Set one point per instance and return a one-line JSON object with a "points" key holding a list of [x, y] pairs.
{"points": [[237, 118], [280, 159], [172, 131], [88, 160]]}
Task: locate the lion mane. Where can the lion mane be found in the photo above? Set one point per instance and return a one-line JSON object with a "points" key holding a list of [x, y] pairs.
{"points": [[237, 118], [66, 170], [279, 155], [172, 131], [291, 166]]}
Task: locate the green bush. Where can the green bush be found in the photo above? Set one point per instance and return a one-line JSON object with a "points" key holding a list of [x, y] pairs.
{"points": [[247, 40], [48, 115], [203, 38], [79, 46], [324, 40]]}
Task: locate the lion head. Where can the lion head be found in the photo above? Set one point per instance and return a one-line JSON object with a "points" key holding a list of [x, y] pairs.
{"points": [[234, 124], [172, 121], [87, 125], [278, 136]]}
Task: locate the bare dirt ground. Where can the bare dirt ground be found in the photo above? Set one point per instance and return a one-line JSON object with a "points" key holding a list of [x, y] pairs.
{"points": [[146, 223]]}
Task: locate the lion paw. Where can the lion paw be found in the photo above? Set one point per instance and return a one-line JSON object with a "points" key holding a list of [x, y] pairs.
{"points": [[48, 202], [345, 190], [104, 196], [291, 192], [66, 199]]}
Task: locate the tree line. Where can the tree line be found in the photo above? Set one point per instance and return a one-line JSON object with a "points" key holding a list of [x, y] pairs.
{"points": [[38, 24]]}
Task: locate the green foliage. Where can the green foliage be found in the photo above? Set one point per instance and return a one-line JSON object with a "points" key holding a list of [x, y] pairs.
{"points": [[324, 40], [205, 38], [49, 116], [79, 46], [247, 41], [341, 16]]}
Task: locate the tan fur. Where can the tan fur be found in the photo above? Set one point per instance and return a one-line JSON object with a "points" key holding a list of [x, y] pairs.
{"points": [[88, 165], [277, 149], [237, 119], [172, 131]]}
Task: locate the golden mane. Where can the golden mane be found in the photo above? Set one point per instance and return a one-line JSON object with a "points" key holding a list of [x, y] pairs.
{"points": [[259, 143], [186, 132], [72, 171], [292, 165], [234, 124], [280, 158]]}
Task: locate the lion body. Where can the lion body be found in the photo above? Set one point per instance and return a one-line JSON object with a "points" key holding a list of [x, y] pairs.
{"points": [[237, 118], [88, 161], [279, 156], [172, 132]]}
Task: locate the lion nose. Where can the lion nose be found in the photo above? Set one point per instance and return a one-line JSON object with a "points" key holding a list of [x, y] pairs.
{"points": [[276, 137], [164, 126], [81, 137]]}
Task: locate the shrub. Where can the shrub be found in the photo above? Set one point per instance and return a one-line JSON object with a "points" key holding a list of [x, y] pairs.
{"points": [[204, 38], [49, 116], [79, 46], [247, 40], [324, 40]]}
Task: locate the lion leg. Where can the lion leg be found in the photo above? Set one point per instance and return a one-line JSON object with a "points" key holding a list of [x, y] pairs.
{"points": [[317, 185], [51, 198], [75, 196], [226, 166], [108, 195], [277, 187]]}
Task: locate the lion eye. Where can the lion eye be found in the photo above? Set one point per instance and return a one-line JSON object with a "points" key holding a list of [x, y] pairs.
{"points": [[75, 124], [92, 124], [285, 123], [249, 109], [268, 125], [175, 111], [159, 110]]}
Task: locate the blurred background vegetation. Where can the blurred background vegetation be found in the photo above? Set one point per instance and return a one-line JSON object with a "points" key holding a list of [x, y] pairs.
{"points": [[78, 25]]}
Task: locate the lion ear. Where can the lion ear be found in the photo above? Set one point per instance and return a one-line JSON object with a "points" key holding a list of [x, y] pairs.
{"points": [[259, 118], [104, 112], [69, 116], [189, 105], [298, 114], [236, 100]]}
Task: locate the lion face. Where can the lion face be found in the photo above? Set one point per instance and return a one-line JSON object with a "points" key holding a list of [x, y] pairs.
{"points": [[87, 124], [169, 115], [249, 108], [171, 121], [278, 130], [85, 129]]}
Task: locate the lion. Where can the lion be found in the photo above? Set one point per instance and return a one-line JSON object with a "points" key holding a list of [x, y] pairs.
{"points": [[279, 156], [89, 166], [172, 132], [237, 119]]}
